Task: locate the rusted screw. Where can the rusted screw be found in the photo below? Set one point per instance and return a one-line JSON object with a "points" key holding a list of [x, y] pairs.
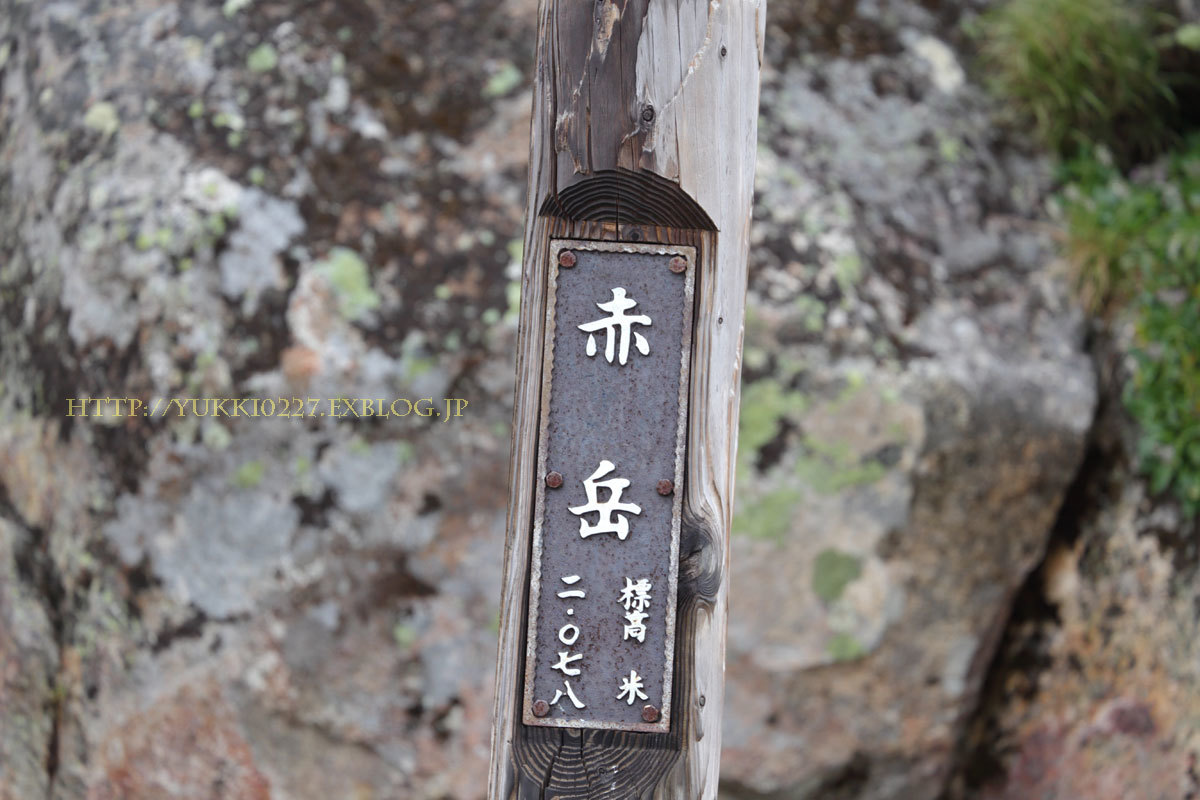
{"points": [[566, 259], [541, 708], [554, 479], [678, 265], [650, 713], [665, 487]]}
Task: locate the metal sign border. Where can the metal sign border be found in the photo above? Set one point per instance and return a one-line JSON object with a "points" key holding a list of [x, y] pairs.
{"points": [[663, 725]]}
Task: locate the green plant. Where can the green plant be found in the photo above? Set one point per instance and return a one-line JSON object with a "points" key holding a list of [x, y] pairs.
{"points": [[1140, 241], [1086, 72], [1107, 219]]}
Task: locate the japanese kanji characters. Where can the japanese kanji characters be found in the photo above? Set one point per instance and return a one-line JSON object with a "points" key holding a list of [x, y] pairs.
{"points": [[571, 580], [606, 509], [569, 693], [610, 445], [569, 634], [635, 597], [633, 687], [617, 328], [564, 663]]}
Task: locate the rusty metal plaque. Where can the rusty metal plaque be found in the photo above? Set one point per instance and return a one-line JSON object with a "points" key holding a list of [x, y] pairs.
{"points": [[603, 578]]}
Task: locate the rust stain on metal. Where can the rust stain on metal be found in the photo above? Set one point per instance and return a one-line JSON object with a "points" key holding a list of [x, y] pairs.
{"points": [[605, 560], [678, 265]]}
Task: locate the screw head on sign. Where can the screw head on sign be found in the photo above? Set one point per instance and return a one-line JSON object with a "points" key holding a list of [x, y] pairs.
{"points": [[541, 708], [650, 713], [678, 265], [665, 487], [566, 259], [554, 479]]}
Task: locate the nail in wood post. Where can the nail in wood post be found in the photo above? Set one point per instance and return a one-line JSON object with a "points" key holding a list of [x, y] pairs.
{"points": [[612, 628]]}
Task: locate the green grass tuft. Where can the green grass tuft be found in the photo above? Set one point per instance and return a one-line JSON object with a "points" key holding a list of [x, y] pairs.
{"points": [[1085, 72]]}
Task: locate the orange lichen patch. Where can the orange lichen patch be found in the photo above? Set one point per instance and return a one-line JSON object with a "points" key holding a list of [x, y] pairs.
{"points": [[300, 364], [188, 746]]}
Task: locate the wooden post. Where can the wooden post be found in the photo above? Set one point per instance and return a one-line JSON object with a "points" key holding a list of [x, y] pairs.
{"points": [[644, 131]]}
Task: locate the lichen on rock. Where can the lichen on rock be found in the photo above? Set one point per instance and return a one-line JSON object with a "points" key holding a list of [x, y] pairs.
{"points": [[324, 200]]}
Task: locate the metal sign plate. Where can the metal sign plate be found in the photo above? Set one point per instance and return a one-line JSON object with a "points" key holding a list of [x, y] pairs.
{"points": [[610, 486]]}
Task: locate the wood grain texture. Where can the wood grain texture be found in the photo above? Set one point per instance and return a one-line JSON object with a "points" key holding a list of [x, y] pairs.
{"points": [[644, 129], [628, 197]]}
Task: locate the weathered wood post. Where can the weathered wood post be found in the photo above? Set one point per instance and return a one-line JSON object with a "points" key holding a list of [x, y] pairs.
{"points": [[612, 629]]}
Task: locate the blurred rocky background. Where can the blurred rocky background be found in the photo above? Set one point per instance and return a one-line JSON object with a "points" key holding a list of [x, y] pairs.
{"points": [[965, 554]]}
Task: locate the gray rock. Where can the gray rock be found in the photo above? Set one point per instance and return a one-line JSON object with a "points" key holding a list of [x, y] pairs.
{"points": [[281, 200], [901, 463], [31, 660]]}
